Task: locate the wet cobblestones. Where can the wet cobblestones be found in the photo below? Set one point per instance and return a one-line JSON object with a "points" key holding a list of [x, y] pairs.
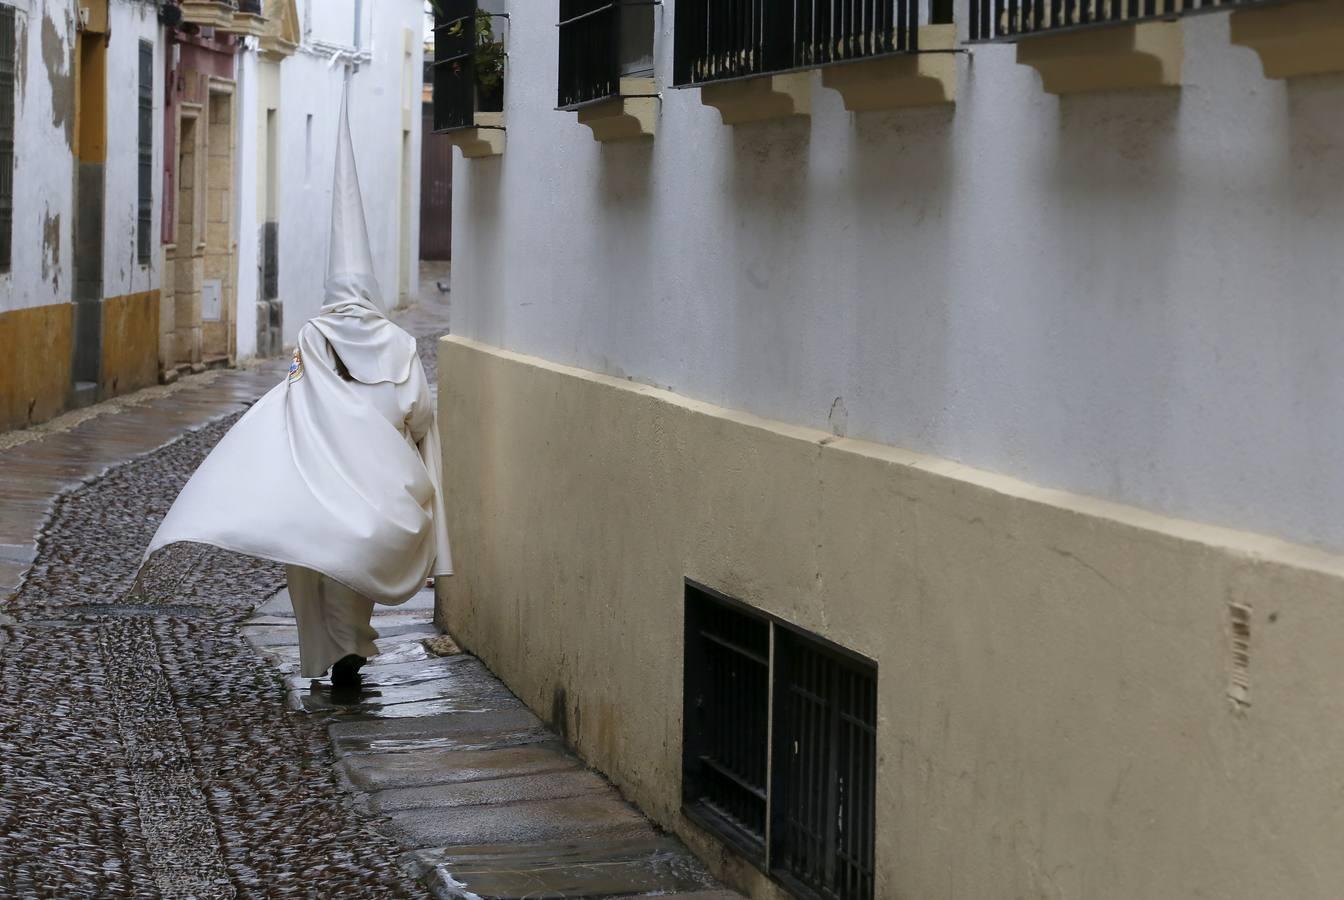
{"points": [[145, 749]]}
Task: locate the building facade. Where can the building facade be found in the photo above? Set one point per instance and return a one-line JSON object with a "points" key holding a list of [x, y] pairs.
{"points": [[162, 168], [79, 270], [956, 398]]}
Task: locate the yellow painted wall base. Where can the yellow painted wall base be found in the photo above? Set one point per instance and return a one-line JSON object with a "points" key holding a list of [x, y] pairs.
{"points": [[35, 347], [1061, 702], [1114, 58], [130, 343], [927, 78], [1294, 39]]}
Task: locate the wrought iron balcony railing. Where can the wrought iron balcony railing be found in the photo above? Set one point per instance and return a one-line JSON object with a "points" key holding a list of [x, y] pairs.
{"points": [[602, 41], [1012, 20], [718, 40], [468, 68]]}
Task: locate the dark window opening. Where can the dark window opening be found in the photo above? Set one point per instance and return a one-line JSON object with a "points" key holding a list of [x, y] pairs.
{"points": [[601, 42], [8, 54], [780, 746], [469, 57], [1011, 20], [719, 40], [145, 195]]}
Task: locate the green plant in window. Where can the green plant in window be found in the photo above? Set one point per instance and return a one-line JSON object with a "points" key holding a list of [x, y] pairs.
{"points": [[489, 53]]}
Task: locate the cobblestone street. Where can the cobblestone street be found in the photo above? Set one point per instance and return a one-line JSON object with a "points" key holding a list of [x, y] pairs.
{"points": [[157, 741], [145, 746]]}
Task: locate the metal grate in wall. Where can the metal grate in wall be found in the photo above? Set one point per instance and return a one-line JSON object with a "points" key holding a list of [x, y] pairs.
{"points": [[8, 53], [144, 222], [780, 746], [454, 64], [826, 755], [727, 703]]}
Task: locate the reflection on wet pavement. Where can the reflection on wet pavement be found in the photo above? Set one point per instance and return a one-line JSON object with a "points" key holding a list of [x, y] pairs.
{"points": [[463, 771]]}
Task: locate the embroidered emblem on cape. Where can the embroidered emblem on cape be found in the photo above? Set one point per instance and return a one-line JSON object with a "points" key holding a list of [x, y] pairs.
{"points": [[296, 367]]}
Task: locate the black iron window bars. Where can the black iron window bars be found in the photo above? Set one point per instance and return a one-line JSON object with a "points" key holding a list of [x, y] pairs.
{"points": [[1011, 20], [780, 746], [468, 67], [720, 40], [601, 41]]}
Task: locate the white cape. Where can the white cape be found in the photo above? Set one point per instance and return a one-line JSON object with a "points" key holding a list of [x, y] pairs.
{"points": [[314, 476], [334, 471]]}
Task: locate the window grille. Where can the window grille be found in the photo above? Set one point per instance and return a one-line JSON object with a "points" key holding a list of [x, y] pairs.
{"points": [[145, 206], [1012, 20], [719, 40], [468, 63], [826, 716], [727, 700], [602, 41], [8, 54], [780, 746]]}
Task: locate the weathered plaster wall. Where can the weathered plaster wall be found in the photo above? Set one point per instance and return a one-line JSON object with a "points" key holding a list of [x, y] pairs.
{"points": [[122, 273], [1133, 296], [1054, 670], [130, 329], [35, 347], [42, 272]]}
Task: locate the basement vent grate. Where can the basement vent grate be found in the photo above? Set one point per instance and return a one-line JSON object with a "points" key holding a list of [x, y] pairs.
{"points": [[780, 746]]}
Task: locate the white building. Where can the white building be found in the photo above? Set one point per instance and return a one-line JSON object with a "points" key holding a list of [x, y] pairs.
{"points": [[1031, 399], [294, 98], [79, 202], [226, 109]]}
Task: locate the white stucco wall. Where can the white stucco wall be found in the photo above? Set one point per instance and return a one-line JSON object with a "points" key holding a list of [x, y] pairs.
{"points": [[250, 155], [311, 85], [130, 23], [42, 269], [1133, 295]]}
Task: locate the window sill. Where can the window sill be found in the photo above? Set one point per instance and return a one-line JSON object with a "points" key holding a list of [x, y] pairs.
{"points": [[899, 81], [760, 99], [1294, 39], [631, 116], [485, 138], [1110, 58]]}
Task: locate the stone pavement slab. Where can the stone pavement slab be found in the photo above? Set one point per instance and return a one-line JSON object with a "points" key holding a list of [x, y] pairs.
{"points": [[455, 767]]}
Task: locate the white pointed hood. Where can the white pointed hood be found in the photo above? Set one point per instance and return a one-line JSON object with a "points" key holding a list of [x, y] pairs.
{"points": [[352, 318]]}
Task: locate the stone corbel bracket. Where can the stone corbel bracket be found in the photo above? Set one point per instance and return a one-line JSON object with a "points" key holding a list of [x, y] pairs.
{"points": [[631, 116], [208, 13], [760, 99], [485, 138], [896, 82], [1107, 58], [1293, 39]]}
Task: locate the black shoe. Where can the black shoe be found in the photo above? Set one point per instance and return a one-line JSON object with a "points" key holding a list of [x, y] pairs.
{"points": [[345, 673]]}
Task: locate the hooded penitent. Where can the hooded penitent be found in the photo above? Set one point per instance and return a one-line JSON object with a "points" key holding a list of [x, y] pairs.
{"points": [[323, 472]]}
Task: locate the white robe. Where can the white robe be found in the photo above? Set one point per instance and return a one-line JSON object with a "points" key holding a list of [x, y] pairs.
{"points": [[338, 476]]}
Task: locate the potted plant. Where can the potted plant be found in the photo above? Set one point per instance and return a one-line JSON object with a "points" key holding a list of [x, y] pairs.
{"points": [[487, 59]]}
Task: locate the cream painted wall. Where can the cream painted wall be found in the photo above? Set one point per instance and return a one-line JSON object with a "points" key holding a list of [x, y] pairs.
{"points": [[1054, 670], [43, 239], [130, 23], [1134, 295]]}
